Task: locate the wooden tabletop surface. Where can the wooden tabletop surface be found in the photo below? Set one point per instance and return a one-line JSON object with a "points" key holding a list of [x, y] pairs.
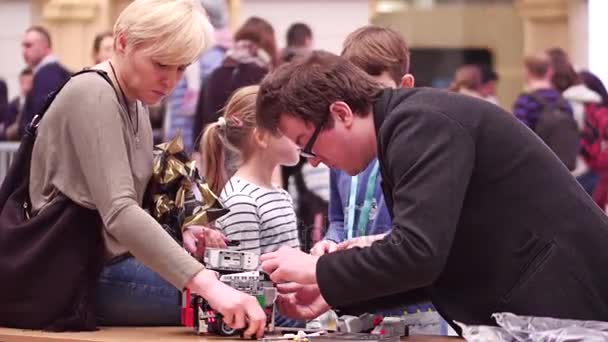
{"points": [[130, 334]]}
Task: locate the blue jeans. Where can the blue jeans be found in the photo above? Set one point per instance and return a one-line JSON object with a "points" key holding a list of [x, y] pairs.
{"points": [[131, 294]]}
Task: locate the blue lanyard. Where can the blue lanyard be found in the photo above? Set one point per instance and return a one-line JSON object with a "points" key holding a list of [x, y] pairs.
{"points": [[367, 203]]}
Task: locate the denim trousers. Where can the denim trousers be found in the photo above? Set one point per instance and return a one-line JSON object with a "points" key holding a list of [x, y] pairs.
{"points": [[129, 293]]}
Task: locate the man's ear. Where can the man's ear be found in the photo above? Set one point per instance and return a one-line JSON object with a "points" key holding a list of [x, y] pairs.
{"points": [[407, 81], [341, 112]]}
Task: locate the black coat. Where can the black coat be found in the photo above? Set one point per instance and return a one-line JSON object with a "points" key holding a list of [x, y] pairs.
{"points": [[218, 88], [48, 79], [485, 219]]}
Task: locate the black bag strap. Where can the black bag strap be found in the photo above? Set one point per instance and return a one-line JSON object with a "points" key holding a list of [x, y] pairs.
{"points": [[549, 106], [540, 100], [32, 127], [20, 167]]}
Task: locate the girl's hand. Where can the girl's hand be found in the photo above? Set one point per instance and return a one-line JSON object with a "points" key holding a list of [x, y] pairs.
{"points": [[197, 238]]}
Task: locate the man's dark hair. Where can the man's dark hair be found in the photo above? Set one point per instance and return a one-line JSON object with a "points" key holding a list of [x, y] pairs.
{"points": [[99, 38], [305, 88], [564, 75], [42, 31], [297, 34], [487, 74]]}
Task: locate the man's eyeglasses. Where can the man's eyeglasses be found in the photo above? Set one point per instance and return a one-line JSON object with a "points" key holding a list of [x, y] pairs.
{"points": [[307, 152]]}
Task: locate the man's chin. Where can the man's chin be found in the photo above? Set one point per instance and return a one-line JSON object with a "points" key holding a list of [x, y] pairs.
{"points": [[353, 172]]}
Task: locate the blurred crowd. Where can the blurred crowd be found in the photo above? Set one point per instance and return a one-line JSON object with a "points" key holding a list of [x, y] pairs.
{"points": [[567, 108]]}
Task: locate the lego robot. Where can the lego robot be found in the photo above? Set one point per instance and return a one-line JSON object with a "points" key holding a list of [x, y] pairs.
{"points": [[356, 324], [238, 270], [391, 326], [372, 324]]}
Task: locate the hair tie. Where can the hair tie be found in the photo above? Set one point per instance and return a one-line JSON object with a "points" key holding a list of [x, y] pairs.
{"points": [[221, 121]]}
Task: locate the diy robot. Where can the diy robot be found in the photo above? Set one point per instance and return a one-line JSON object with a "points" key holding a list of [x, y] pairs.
{"points": [[372, 324], [238, 270]]}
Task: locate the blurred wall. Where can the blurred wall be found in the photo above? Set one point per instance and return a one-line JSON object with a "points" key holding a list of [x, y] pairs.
{"points": [[73, 25], [510, 31], [551, 23], [330, 20], [497, 28], [15, 18], [578, 32], [598, 28]]}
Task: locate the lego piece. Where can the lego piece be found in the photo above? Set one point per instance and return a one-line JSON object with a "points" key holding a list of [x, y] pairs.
{"points": [[355, 324], [342, 336], [230, 261], [392, 326]]}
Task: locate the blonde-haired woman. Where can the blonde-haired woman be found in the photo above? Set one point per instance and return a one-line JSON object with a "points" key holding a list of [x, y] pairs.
{"points": [[94, 146]]}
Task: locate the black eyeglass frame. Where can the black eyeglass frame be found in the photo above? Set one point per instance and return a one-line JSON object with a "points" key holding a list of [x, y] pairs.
{"points": [[307, 152]]}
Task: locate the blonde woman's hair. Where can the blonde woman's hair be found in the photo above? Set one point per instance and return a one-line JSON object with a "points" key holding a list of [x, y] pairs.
{"points": [[174, 32], [233, 132]]}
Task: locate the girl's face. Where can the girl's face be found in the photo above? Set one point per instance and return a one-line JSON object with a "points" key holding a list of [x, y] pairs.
{"points": [[284, 151]]}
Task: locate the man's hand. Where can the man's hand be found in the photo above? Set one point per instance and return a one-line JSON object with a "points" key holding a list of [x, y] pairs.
{"points": [[289, 264], [323, 247], [301, 301], [361, 241], [197, 238]]}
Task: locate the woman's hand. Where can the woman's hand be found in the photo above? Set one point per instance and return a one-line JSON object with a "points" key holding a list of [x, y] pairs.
{"points": [[197, 238], [238, 309]]}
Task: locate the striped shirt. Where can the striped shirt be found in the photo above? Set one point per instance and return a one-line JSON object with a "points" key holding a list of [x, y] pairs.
{"points": [[261, 219]]}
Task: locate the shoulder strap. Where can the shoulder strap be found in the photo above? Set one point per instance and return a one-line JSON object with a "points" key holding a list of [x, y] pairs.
{"points": [[560, 103], [540, 100], [33, 125]]}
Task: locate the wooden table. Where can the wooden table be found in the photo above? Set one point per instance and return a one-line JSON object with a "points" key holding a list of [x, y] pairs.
{"points": [[130, 334]]}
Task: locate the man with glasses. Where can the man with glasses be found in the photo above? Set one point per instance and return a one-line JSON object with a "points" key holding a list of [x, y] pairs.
{"points": [[485, 217], [357, 212]]}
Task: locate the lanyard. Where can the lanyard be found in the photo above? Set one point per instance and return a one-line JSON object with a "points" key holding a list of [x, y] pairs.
{"points": [[367, 203]]}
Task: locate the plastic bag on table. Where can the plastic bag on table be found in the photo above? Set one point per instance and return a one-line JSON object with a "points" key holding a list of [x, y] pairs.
{"points": [[514, 328], [485, 333]]}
